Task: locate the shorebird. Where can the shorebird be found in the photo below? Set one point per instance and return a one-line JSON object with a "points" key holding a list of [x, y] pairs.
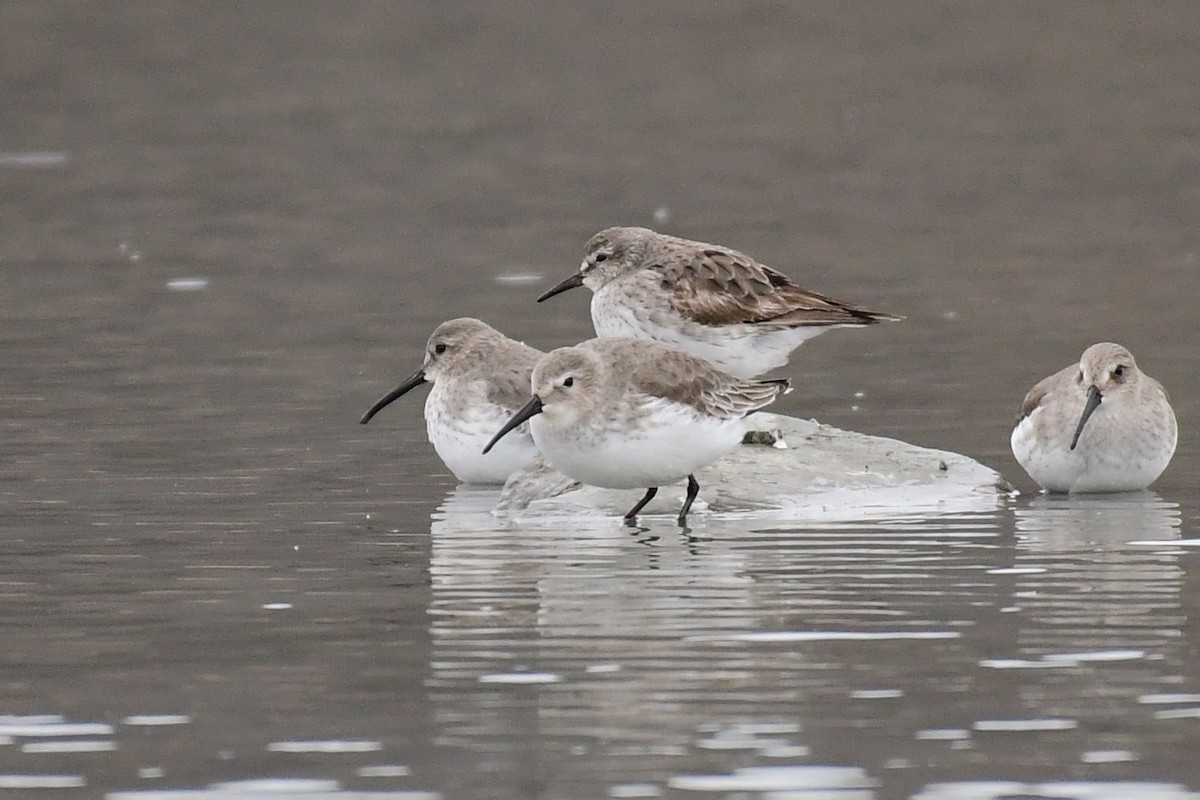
{"points": [[480, 378], [625, 413], [705, 299], [1101, 425]]}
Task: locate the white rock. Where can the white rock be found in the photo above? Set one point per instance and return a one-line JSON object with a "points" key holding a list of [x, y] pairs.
{"points": [[824, 473]]}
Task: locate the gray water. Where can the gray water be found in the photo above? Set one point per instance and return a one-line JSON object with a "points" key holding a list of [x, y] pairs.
{"points": [[226, 229]]}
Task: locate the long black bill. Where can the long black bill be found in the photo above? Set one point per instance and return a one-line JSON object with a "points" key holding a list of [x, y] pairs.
{"points": [[530, 409], [1093, 402], [570, 283], [416, 379]]}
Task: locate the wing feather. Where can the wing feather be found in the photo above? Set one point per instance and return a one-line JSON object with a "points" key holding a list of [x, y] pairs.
{"points": [[718, 286], [509, 384], [1043, 388], [692, 381]]}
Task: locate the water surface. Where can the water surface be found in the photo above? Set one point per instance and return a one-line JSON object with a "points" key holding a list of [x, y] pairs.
{"points": [[228, 229]]}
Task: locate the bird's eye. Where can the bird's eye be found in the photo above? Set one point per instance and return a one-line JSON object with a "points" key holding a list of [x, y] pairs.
{"points": [[1119, 371], [439, 348], [600, 257], [569, 382]]}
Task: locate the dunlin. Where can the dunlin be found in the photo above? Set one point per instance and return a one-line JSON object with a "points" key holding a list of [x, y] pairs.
{"points": [[480, 378], [625, 413], [705, 299], [1101, 425]]}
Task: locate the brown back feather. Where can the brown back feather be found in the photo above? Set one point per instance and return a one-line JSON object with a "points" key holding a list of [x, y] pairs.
{"points": [[683, 378], [718, 286], [510, 387], [1042, 388]]}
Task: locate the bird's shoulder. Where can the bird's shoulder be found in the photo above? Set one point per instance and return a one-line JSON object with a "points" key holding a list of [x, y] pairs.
{"points": [[508, 375], [1044, 390]]}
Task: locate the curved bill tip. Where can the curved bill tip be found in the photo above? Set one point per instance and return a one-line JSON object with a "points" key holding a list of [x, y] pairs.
{"points": [[530, 409], [1093, 402], [570, 283], [416, 379]]}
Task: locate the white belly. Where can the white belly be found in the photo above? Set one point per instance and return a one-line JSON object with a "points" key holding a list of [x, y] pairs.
{"points": [[667, 449], [460, 434], [1108, 457]]}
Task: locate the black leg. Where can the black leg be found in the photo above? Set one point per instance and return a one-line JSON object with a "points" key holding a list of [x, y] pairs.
{"points": [[653, 490], [693, 490]]}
